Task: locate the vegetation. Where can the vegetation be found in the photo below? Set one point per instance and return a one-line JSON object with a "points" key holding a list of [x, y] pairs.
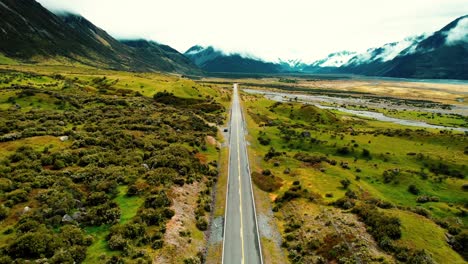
{"points": [[89, 164], [388, 176]]}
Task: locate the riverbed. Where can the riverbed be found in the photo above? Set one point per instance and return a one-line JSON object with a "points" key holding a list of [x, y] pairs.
{"points": [[318, 101]]}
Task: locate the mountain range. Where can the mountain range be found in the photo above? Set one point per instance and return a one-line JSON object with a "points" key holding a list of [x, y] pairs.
{"points": [[441, 55], [30, 33]]}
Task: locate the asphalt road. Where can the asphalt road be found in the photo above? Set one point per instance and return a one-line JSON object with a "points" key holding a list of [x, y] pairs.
{"points": [[241, 243]]}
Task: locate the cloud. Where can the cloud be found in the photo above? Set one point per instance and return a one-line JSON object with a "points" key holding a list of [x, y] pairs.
{"points": [[270, 29], [459, 33]]}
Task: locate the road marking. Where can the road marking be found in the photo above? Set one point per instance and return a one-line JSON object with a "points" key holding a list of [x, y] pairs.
{"points": [[240, 180]]}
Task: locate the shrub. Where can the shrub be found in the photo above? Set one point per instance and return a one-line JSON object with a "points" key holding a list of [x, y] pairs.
{"points": [[380, 226], [266, 181], [366, 153], [343, 151], [117, 242], [264, 140], [345, 183], [202, 224], [413, 189], [461, 243]]}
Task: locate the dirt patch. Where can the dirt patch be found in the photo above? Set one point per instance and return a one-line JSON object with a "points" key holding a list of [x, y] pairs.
{"points": [[177, 247], [329, 228], [201, 157], [212, 141]]}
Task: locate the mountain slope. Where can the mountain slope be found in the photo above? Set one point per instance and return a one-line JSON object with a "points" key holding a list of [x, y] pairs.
{"points": [[442, 55], [31, 33], [212, 60]]}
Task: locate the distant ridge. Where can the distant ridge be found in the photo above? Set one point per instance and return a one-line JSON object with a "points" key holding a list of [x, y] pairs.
{"points": [[212, 60]]}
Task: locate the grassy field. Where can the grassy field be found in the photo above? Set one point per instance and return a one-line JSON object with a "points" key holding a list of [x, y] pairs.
{"points": [[318, 150]]}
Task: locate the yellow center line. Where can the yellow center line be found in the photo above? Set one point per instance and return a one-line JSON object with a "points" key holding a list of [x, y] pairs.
{"points": [[240, 183]]}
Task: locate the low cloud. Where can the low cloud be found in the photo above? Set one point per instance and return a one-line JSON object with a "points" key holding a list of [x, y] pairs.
{"points": [[459, 33]]}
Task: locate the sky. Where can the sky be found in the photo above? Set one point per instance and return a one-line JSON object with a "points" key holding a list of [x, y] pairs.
{"points": [[268, 29]]}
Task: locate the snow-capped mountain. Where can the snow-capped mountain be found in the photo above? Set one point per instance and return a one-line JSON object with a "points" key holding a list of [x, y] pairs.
{"points": [[385, 53], [214, 60], [441, 55], [291, 65], [336, 59]]}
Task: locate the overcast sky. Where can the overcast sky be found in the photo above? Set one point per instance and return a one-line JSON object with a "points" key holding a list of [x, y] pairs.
{"points": [[269, 29]]}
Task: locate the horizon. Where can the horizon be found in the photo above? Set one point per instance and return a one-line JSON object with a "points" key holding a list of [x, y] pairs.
{"points": [[356, 26]]}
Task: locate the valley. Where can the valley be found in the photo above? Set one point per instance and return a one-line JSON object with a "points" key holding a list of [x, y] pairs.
{"points": [[151, 149], [252, 146]]}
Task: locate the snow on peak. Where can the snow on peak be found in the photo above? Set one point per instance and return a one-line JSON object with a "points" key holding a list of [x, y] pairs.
{"points": [[194, 50], [336, 59], [387, 52], [459, 33]]}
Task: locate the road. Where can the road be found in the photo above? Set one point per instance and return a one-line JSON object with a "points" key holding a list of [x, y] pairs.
{"points": [[241, 243]]}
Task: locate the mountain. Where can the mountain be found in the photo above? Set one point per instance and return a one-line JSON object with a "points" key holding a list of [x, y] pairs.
{"points": [[167, 58], [330, 63], [336, 59], [212, 60], [30, 33], [442, 55], [291, 65]]}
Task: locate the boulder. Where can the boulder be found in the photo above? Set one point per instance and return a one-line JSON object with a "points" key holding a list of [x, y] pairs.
{"points": [[63, 138], [67, 218], [26, 209]]}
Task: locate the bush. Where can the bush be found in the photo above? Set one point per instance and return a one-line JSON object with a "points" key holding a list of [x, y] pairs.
{"points": [[461, 244], [264, 140], [202, 224], [343, 151], [266, 181], [413, 189], [380, 226], [117, 242], [345, 183], [366, 153], [3, 212]]}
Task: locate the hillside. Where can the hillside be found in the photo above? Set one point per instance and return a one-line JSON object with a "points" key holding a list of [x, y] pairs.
{"points": [[33, 34]]}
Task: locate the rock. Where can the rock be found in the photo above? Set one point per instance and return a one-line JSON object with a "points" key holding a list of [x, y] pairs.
{"points": [[61, 123], [26, 209], [146, 166], [63, 138], [305, 134], [287, 171], [67, 218]]}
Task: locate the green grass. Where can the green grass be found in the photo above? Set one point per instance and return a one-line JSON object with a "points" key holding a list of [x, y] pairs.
{"points": [[421, 233], [6, 60], [128, 205], [99, 246]]}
